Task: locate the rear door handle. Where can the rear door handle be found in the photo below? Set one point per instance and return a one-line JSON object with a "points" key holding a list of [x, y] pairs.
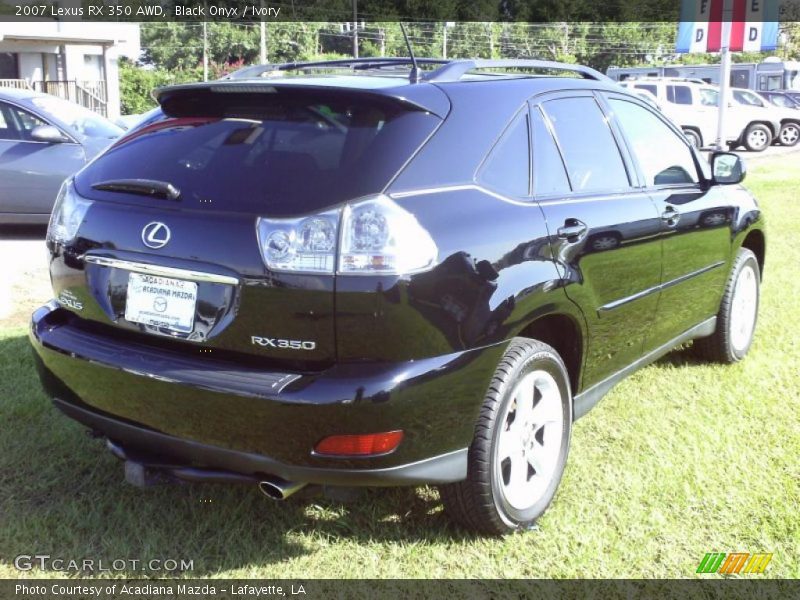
{"points": [[573, 230]]}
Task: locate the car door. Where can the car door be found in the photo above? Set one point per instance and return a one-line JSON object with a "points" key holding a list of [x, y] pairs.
{"points": [[31, 172], [603, 229], [695, 220]]}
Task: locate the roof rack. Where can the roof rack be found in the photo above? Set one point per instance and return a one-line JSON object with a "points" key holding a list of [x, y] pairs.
{"points": [[456, 69], [355, 64], [447, 70]]}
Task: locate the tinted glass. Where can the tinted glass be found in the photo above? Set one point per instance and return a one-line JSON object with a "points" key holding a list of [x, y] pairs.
{"points": [[590, 151], [663, 156], [784, 101], [679, 94], [747, 98], [278, 153], [549, 176], [650, 88], [26, 122], [507, 169]]}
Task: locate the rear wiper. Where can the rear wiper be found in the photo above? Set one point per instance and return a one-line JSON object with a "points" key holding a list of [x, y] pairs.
{"points": [[145, 187]]}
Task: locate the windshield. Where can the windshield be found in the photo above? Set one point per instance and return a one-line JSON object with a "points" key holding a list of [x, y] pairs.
{"points": [[266, 153], [747, 98], [80, 119]]}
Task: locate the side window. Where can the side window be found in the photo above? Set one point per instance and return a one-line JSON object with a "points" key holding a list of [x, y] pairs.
{"points": [[590, 151], [679, 94], [507, 168], [26, 122], [549, 176], [709, 97], [747, 98], [7, 129], [648, 88], [664, 157]]}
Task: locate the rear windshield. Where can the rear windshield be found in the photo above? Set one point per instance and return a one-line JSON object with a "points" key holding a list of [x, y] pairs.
{"points": [[279, 153]]}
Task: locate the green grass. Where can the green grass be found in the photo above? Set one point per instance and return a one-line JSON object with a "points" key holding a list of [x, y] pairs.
{"points": [[681, 459]]}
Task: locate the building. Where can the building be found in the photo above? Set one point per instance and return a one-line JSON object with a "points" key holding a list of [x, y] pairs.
{"points": [[73, 60]]}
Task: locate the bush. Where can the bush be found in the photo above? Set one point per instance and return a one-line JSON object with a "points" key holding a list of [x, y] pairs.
{"points": [[137, 83]]}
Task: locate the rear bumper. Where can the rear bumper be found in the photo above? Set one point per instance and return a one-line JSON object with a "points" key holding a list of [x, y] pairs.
{"points": [[198, 412], [171, 450]]}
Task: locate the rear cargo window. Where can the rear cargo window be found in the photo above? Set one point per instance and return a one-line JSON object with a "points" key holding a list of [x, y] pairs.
{"points": [[267, 153]]}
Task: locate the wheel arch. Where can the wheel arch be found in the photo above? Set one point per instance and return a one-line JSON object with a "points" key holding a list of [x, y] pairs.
{"points": [[756, 243], [768, 125], [696, 130], [564, 333]]}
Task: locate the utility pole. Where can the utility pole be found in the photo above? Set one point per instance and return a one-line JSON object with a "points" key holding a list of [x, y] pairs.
{"points": [[263, 41], [725, 77], [355, 28], [205, 51]]}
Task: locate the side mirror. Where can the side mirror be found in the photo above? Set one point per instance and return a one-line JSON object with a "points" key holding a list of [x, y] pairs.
{"points": [[727, 168], [48, 134]]}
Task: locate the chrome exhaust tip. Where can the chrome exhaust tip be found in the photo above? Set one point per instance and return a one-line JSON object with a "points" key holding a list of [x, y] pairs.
{"points": [[279, 489]]}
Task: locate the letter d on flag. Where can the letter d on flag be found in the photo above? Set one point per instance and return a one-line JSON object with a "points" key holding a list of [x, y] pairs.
{"points": [[754, 26]]}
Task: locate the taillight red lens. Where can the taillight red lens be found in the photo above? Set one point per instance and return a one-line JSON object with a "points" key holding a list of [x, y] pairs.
{"points": [[369, 444]]}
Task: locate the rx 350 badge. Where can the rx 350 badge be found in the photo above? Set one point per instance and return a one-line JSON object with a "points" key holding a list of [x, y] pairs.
{"points": [[281, 344]]}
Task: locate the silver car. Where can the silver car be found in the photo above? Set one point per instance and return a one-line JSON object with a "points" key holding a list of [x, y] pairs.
{"points": [[43, 140]]}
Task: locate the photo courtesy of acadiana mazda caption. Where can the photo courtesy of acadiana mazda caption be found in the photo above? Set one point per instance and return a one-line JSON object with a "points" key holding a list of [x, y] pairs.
{"points": [[384, 272]]}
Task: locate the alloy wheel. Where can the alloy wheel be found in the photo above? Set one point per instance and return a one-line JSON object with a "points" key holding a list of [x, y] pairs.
{"points": [[529, 441], [744, 306], [789, 135], [758, 139]]}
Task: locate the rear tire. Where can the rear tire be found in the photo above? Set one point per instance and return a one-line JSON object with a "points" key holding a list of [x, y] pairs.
{"points": [[738, 313], [520, 446], [757, 137], [790, 134]]}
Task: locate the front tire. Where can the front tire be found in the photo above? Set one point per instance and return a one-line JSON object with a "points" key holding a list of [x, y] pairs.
{"points": [[520, 446], [757, 137], [738, 313]]}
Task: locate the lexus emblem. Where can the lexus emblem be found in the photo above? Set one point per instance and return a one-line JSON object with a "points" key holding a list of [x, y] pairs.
{"points": [[155, 235]]}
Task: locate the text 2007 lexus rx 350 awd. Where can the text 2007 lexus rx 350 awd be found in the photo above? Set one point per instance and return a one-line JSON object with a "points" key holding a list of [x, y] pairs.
{"points": [[360, 273]]}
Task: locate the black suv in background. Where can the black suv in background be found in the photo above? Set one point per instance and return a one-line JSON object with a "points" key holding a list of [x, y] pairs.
{"points": [[358, 273]]}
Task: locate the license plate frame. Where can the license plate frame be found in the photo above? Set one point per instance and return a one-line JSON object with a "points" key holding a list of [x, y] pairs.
{"points": [[161, 302]]}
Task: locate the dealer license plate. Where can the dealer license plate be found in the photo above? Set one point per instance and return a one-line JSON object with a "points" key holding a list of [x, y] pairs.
{"points": [[161, 302]]}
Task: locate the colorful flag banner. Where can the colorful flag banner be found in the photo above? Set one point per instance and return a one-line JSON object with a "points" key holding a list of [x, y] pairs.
{"points": [[754, 25]]}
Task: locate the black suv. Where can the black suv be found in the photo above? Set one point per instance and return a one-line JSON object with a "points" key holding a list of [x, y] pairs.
{"points": [[374, 273]]}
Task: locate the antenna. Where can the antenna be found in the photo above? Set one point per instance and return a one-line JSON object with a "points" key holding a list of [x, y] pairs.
{"points": [[413, 77]]}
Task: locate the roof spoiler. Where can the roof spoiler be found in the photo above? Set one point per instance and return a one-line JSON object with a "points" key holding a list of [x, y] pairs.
{"points": [[425, 98]]}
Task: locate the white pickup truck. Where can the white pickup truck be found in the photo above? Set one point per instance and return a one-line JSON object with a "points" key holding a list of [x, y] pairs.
{"points": [[693, 106]]}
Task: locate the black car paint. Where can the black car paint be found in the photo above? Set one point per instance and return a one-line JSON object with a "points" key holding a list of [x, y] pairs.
{"points": [[413, 352]]}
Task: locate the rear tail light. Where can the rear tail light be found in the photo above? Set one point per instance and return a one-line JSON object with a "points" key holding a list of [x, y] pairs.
{"points": [[370, 444], [380, 237], [372, 236], [67, 216], [306, 245]]}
